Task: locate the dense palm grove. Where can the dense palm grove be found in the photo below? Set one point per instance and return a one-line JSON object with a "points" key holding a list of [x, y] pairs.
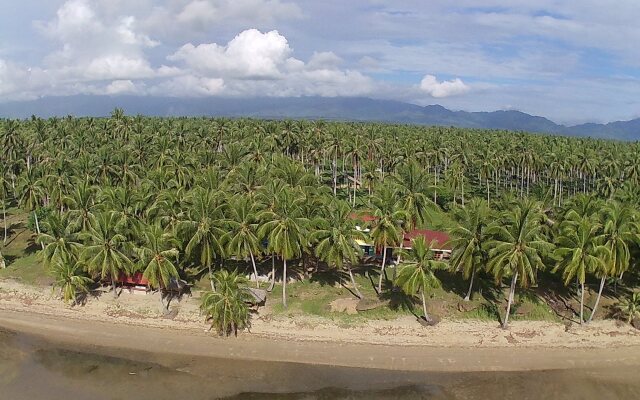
{"points": [[189, 197]]}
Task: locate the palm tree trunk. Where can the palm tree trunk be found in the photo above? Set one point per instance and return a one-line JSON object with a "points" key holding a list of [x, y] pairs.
{"points": [[284, 282], [511, 293], [424, 306], [4, 218], [113, 286], [211, 277], [353, 282], [273, 273], [581, 303], [487, 188], [255, 270], [355, 188], [595, 306], [35, 217], [473, 274], [334, 168], [435, 185], [384, 259]]}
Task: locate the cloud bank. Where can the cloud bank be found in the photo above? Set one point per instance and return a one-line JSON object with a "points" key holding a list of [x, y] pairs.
{"points": [[564, 60]]}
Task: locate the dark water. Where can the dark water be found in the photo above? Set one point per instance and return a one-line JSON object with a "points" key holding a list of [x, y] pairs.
{"points": [[32, 369]]}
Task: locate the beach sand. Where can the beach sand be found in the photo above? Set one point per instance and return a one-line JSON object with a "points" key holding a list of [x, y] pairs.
{"points": [[134, 321]]}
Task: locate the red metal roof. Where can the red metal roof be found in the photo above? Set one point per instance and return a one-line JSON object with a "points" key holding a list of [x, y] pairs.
{"points": [[135, 279], [439, 240]]}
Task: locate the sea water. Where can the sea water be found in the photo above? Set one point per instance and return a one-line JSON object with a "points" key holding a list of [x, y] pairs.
{"points": [[33, 369]]}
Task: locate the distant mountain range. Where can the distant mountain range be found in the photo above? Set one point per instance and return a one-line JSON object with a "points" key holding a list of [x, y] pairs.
{"points": [[330, 108]]}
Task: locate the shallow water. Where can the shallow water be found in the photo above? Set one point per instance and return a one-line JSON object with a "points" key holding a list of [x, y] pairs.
{"points": [[32, 369]]}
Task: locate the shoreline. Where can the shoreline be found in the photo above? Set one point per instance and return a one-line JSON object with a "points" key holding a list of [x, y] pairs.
{"points": [[129, 325], [109, 338]]}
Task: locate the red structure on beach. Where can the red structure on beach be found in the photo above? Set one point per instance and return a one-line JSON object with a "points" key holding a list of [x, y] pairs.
{"points": [[440, 241], [134, 280]]}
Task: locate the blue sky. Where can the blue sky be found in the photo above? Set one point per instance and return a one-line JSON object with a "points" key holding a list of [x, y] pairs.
{"points": [[570, 61]]}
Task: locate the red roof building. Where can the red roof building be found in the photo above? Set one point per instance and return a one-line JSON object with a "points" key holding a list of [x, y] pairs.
{"points": [[438, 240], [134, 280]]}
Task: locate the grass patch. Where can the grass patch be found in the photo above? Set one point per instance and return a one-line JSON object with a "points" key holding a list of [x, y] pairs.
{"points": [[28, 270], [534, 310], [20, 252], [484, 312], [314, 298]]}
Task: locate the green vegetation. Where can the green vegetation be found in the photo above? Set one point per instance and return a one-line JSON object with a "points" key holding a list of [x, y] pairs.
{"points": [[226, 306], [195, 198]]}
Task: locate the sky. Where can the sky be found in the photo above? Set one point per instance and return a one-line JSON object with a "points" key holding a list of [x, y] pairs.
{"points": [[570, 61]]}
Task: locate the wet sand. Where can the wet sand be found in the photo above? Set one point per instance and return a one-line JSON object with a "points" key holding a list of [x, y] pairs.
{"points": [[158, 341], [34, 368]]}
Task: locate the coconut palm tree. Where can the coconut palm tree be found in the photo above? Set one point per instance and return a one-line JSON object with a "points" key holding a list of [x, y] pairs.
{"points": [[336, 238], [619, 230], [386, 228], [241, 237], [579, 253], [31, 194], [58, 240], [105, 250], [203, 229], [630, 307], [226, 306], [418, 274], [70, 278], [411, 183], [469, 239], [82, 205], [284, 228], [157, 257], [517, 247], [4, 200]]}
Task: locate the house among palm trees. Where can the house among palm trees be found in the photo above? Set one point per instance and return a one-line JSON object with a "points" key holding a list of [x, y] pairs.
{"points": [[440, 241], [133, 282]]}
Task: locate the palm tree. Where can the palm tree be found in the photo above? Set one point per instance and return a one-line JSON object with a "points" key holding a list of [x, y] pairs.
{"points": [[226, 306], [156, 257], [58, 240], [203, 229], [469, 238], [4, 200], [336, 240], [242, 226], [418, 275], [387, 226], [69, 277], [411, 183], [81, 204], [517, 247], [31, 194], [284, 228], [105, 249], [630, 306], [619, 230], [579, 253]]}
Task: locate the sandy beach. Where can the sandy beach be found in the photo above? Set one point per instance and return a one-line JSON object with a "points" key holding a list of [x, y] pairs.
{"points": [[134, 321]]}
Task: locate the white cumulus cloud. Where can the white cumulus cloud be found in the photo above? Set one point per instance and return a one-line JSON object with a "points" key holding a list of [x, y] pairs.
{"points": [[454, 87], [251, 54]]}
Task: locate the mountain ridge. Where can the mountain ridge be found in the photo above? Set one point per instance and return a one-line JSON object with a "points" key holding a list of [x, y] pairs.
{"points": [[330, 108]]}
